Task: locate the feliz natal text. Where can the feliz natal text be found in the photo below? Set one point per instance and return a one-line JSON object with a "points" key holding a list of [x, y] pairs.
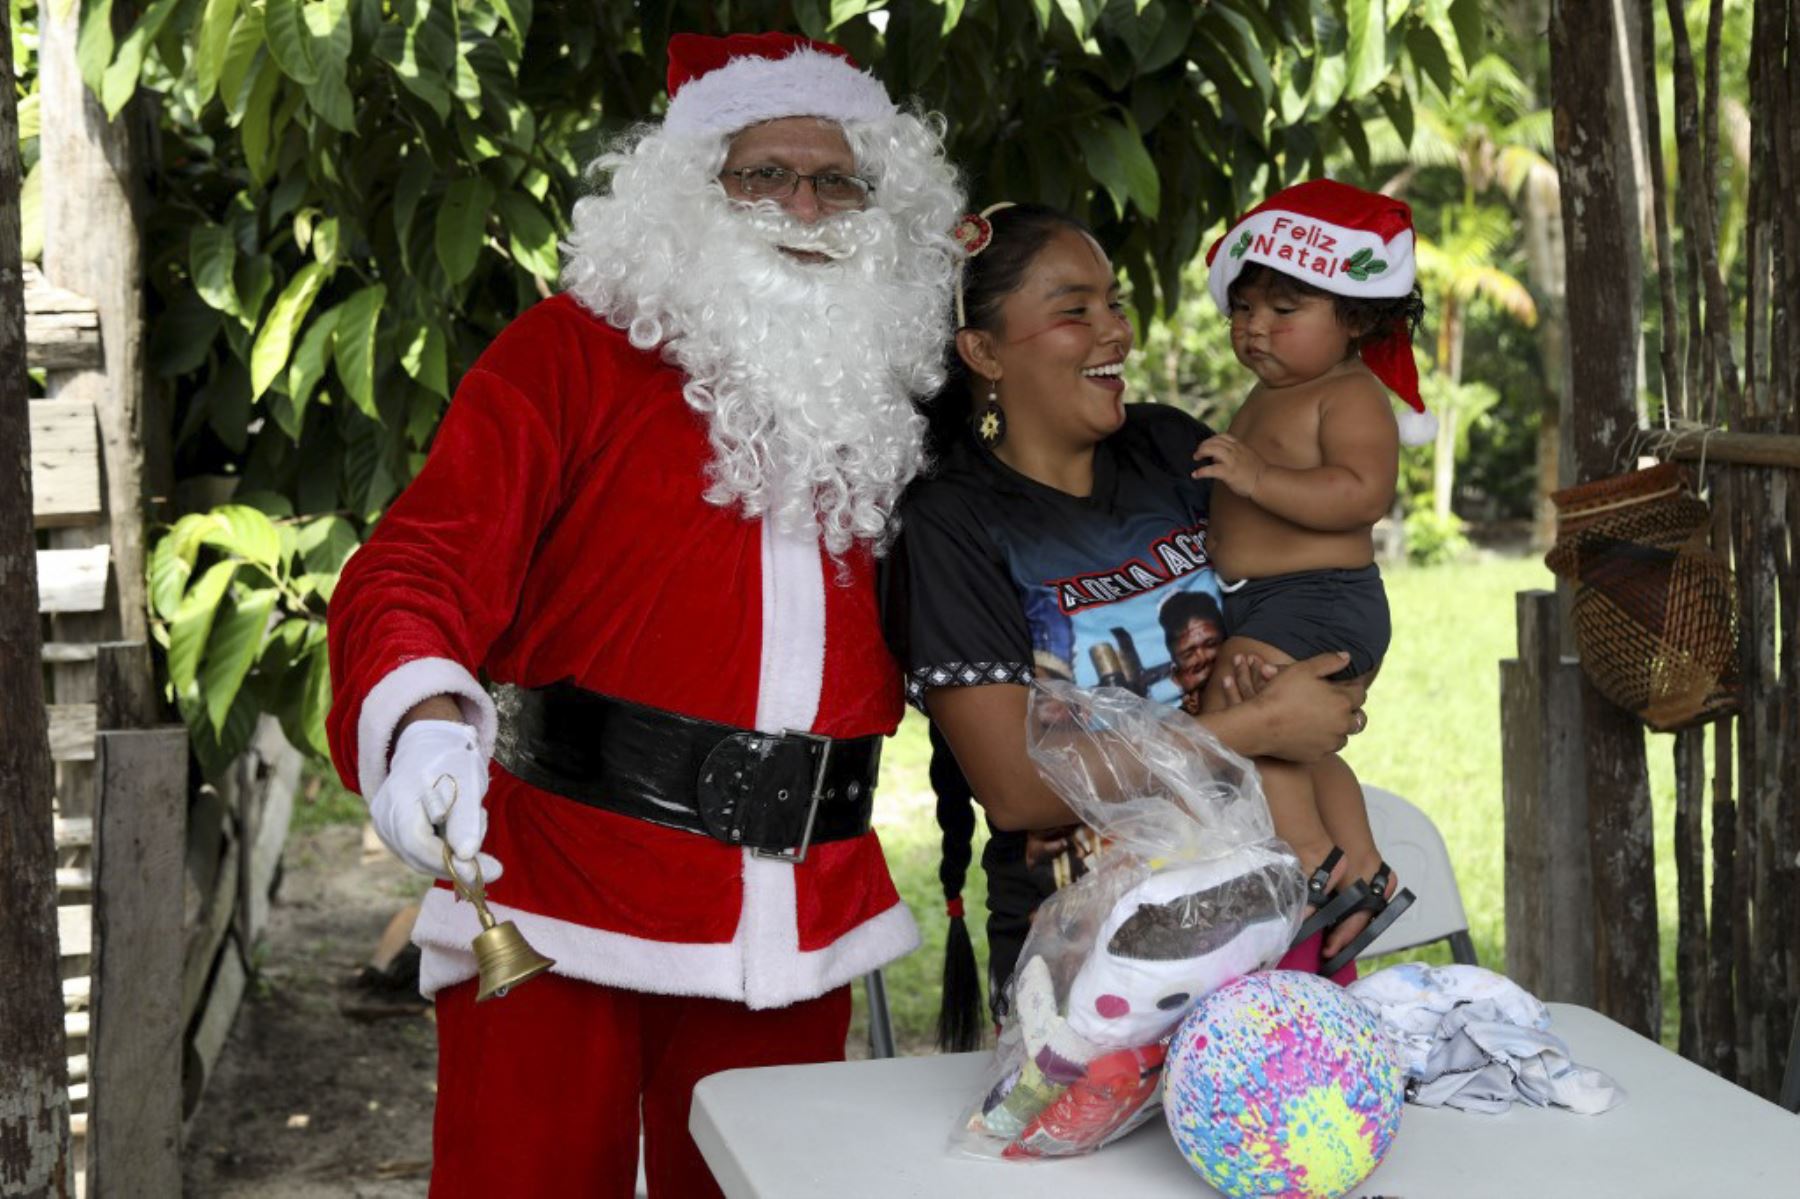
{"points": [[1310, 248]]}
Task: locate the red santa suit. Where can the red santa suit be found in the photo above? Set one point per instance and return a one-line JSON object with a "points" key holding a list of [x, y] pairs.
{"points": [[558, 532]]}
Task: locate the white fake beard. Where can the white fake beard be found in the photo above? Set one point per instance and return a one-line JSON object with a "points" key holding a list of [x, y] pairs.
{"points": [[806, 372]]}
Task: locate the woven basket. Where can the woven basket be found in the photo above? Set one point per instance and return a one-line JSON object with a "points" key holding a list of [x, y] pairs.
{"points": [[1655, 610]]}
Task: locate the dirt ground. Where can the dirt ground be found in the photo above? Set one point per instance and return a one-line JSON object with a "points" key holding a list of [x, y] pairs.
{"points": [[323, 1089]]}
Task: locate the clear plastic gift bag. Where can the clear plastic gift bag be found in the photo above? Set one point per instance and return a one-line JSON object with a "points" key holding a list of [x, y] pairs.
{"points": [[1190, 889]]}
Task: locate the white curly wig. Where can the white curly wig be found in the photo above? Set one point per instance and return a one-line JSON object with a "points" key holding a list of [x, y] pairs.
{"points": [[805, 372]]}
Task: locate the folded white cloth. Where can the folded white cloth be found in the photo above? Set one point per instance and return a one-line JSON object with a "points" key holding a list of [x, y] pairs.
{"points": [[1474, 1040]]}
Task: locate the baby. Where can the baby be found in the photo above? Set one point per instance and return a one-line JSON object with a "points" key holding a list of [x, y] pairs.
{"points": [[1318, 284]]}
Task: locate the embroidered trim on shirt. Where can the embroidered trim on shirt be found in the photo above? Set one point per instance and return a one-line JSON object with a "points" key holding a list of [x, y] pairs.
{"points": [[962, 674]]}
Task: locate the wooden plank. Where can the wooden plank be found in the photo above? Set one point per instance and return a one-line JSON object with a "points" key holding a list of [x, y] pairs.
{"points": [[213, 858], [76, 1025], [65, 464], [268, 835], [71, 732], [125, 686], [58, 653], [137, 1048], [77, 991], [74, 878], [62, 329], [74, 929], [1549, 921], [74, 831], [1743, 449], [73, 580], [215, 1024]]}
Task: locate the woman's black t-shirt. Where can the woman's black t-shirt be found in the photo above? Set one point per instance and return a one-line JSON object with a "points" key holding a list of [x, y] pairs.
{"points": [[997, 578]]}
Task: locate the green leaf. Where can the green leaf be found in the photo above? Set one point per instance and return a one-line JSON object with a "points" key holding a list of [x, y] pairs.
{"points": [[290, 41], [236, 640], [210, 50], [517, 15], [172, 562], [183, 335], [1428, 55], [330, 98], [192, 623], [1367, 30], [1396, 102], [1471, 30], [306, 370], [462, 224], [531, 237], [94, 44], [245, 532], [241, 50], [317, 704], [276, 337], [423, 359], [325, 242], [212, 257], [1075, 13], [326, 544], [1116, 156], [120, 81], [354, 352], [844, 10], [953, 11], [257, 142]]}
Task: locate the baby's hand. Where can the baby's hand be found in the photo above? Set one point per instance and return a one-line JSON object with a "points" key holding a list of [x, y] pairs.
{"points": [[1225, 458]]}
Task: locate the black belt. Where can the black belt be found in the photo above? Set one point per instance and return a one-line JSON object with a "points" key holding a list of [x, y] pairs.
{"points": [[776, 793]]}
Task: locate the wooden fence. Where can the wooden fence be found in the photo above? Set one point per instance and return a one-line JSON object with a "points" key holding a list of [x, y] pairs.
{"points": [[163, 887]]}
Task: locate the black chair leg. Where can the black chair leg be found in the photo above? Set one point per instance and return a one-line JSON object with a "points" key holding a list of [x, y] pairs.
{"points": [[1462, 949], [881, 1024], [1790, 1081]]}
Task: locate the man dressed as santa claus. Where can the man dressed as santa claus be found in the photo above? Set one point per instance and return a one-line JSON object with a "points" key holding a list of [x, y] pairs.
{"points": [[650, 522]]}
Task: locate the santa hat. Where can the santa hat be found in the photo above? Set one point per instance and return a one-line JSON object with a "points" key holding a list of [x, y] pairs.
{"points": [[724, 84], [1343, 240]]}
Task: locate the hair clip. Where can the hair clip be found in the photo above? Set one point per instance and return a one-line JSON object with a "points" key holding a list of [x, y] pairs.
{"points": [[974, 232]]}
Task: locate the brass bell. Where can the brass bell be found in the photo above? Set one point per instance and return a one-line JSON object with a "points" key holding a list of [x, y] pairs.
{"points": [[505, 958]]}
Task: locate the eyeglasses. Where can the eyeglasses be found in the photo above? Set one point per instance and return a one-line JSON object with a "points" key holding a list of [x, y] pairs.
{"points": [[835, 191]]}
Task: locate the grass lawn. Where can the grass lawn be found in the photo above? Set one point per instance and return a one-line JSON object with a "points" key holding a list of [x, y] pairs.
{"points": [[1433, 736]]}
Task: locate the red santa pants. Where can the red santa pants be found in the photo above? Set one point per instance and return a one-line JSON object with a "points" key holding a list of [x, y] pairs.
{"points": [[539, 1092]]}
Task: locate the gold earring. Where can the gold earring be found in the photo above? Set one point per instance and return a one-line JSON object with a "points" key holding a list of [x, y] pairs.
{"points": [[990, 422]]}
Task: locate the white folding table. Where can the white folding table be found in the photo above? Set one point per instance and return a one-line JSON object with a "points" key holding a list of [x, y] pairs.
{"points": [[877, 1129]]}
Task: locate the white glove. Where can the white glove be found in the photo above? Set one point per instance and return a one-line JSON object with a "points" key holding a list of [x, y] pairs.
{"points": [[437, 777]]}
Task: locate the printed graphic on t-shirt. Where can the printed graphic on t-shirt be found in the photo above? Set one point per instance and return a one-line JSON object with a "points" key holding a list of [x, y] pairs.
{"points": [[1150, 622]]}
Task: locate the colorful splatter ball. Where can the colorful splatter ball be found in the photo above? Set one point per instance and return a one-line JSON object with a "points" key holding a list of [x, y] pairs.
{"points": [[1280, 1083]]}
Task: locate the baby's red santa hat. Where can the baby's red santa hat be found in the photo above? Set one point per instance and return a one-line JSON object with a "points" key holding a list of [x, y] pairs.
{"points": [[1344, 240], [724, 84]]}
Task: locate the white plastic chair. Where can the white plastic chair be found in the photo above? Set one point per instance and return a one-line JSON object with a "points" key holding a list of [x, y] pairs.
{"points": [[1411, 844]]}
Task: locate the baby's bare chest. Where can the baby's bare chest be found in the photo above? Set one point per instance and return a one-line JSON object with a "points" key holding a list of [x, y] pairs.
{"points": [[1283, 429]]}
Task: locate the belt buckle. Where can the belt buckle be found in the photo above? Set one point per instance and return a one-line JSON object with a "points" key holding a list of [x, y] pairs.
{"points": [[797, 854]]}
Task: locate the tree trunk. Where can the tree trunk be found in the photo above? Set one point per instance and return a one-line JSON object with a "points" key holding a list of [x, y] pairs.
{"points": [[1443, 451], [34, 1088], [1544, 267], [1600, 223]]}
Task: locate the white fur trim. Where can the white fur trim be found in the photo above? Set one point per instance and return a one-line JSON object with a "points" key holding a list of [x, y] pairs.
{"points": [[1417, 428], [748, 91], [395, 695], [1316, 251], [793, 631], [761, 966]]}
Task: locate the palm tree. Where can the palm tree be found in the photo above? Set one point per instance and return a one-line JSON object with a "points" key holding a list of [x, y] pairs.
{"points": [[1492, 134], [1458, 272]]}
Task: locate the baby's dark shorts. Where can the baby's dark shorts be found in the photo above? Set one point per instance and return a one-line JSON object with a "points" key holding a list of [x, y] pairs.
{"points": [[1315, 612]]}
